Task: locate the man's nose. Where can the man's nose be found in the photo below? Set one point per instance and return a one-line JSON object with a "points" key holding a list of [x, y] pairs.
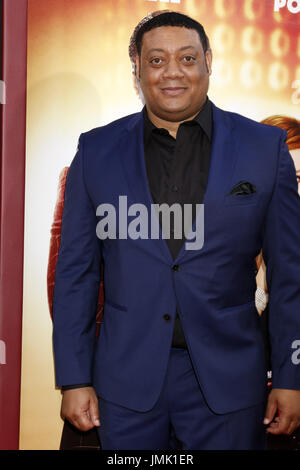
{"points": [[173, 69]]}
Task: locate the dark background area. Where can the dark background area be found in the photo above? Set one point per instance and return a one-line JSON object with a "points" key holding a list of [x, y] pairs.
{"points": [[1, 39], [1, 76]]}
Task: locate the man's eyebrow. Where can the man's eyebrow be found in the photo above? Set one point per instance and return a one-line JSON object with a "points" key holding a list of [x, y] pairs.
{"points": [[154, 49]]}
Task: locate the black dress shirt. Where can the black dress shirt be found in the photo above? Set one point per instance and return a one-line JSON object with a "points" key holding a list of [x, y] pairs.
{"points": [[177, 171]]}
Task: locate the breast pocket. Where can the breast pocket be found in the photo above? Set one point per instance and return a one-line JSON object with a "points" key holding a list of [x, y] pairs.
{"points": [[241, 199]]}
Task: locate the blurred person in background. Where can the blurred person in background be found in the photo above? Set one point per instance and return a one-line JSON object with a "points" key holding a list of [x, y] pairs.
{"points": [[292, 127]]}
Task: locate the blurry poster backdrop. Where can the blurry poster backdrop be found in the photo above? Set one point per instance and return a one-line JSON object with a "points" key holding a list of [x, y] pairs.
{"points": [[79, 77]]}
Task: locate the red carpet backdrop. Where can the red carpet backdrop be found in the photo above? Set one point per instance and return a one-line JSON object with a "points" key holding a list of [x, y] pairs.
{"points": [[13, 100]]}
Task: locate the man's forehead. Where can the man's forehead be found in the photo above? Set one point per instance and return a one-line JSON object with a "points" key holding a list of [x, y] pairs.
{"points": [[174, 37], [171, 30]]}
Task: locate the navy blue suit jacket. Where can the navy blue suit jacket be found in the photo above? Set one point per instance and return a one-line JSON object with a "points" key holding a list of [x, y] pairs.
{"points": [[214, 287]]}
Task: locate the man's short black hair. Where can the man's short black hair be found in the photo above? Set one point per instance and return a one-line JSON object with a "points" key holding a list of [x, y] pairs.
{"points": [[172, 19]]}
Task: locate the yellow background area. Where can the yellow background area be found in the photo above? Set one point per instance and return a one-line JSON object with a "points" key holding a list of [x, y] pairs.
{"points": [[79, 77]]}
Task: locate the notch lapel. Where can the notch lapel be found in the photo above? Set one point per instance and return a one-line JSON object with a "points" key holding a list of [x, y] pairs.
{"points": [[222, 163], [135, 170]]}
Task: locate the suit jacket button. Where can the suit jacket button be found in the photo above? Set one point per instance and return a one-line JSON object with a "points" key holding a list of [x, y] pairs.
{"points": [[167, 317], [175, 267]]}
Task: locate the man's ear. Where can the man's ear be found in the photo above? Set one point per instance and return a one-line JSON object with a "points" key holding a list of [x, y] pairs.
{"points": [[208, 60]]}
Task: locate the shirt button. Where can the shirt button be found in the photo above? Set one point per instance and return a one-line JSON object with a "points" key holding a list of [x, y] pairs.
{"points": [[167, 317], [175, 267], [175, 188]]}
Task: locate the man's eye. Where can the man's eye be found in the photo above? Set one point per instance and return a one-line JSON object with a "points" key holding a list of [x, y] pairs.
{"points": [[189, 58], [155, 61]]}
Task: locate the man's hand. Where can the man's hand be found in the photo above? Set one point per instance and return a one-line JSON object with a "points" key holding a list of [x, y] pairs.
{"points": [[285, 404], [80, 407]]}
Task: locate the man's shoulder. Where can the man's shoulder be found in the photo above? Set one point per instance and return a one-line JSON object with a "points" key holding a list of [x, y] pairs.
{"points": [[113, 129], [252, 128]]}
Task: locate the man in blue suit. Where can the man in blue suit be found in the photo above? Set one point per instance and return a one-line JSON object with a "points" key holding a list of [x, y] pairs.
{"points": [[180, 351]]}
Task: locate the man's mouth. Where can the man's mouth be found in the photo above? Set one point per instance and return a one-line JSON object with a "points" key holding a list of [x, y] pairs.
{"points": [[173, 91]]}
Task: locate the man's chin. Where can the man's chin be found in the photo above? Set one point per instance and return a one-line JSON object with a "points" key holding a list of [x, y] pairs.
{"points": [[175, 113]]}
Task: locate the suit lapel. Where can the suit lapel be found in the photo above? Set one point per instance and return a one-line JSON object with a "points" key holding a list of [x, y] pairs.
{"points": [[135, 170], [223, 156], [222, 163]]}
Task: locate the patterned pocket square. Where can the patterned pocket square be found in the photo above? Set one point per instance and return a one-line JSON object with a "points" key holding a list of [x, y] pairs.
{"points": [[243, 187]]}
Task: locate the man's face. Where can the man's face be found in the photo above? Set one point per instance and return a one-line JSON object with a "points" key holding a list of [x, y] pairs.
{"points": [[296, 157], [173, 72]]}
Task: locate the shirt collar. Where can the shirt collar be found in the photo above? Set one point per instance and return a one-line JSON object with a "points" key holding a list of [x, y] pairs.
{"points": [[203, 118]]}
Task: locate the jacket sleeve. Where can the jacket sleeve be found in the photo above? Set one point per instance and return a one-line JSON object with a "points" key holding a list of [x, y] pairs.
{"points": [[281, 252], [77, 280]]}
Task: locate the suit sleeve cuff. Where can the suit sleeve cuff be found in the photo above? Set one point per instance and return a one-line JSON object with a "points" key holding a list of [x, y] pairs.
{"points": [[71, 387]]}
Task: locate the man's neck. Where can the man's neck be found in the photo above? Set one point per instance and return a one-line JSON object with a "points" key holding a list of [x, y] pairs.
{"points": [[171, 126]]}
